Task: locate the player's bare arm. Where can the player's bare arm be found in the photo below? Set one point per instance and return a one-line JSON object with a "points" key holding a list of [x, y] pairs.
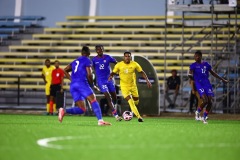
{"points": [[192, 86], [90, 78], [89, 75], [217, 76], [190, 74], [67, 70], [44, 79], [111, 76], [144, 75], [94, 86]]}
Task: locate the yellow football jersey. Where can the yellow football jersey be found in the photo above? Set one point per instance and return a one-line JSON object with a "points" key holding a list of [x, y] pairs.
{"points": [[127, 72], [47, 72]]}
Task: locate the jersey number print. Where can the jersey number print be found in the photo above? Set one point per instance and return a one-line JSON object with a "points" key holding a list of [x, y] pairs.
{"points": [[76, 68], [101, 66], [203, 70]]}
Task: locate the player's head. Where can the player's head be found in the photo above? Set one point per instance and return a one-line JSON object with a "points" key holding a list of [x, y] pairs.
{"points": [[174, 72], [47, 62], [99, 49], [127, 57], [56, 64], [85, 51], [198, 56]]}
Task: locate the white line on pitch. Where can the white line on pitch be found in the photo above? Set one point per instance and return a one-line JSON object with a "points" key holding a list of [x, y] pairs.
{"points": [[47, 142]]}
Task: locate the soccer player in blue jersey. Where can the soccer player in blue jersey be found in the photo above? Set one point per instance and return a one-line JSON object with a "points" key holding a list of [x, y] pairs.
{"points": [[101, 65], [199, 73], [80, 87]]}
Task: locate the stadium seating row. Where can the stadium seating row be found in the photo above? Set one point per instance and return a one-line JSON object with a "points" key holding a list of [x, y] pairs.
{"points": [[120, 36], [11, 31], [148, 18], [13, 25], [109, 48], [130, 24], [3, 36], [134, 30], [36, 61], [6, 33], [141, 35], [22, 18], [120, 42]]}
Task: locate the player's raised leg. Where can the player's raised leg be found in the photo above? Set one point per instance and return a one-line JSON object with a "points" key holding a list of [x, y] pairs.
{"points": [[79, 109], [135, 97], [97, 110], [110, 103], [79, 101], [61, 114], [134, 108], [208, 108], [203, 104]]}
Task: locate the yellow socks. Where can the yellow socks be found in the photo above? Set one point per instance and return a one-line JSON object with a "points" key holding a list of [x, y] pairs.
{"points": [[48, 107], [54, 108], [136, 102], [133, 108]]}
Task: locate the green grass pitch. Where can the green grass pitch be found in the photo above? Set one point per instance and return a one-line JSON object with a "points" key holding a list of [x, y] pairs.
{"points": [[79, 137]]}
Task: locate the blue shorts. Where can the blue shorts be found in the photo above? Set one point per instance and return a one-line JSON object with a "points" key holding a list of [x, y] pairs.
{"points": [[106, 86], [80, 90], [204, 87]]}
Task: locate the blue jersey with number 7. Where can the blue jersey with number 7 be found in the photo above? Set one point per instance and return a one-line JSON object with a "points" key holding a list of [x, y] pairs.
{"points": [[79, 72]]}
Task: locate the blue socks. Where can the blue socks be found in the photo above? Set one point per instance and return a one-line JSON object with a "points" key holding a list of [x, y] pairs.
{"points": [[97, 110], [95, 107], [199, 109], [75, 110], [205, 114], [114, 112]]}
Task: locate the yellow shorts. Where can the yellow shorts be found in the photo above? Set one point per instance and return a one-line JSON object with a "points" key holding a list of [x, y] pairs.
{"points": [[47, 89], [126, 91]]}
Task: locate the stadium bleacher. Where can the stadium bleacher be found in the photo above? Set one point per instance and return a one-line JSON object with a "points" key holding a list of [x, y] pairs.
{"points": [[143, 36], [3, 36], [10, 31], [23, 18], [11, 26]]}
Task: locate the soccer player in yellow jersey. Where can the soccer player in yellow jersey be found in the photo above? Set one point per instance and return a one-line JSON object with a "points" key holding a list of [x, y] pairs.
{"points": [[47, 77], [126, 70]]}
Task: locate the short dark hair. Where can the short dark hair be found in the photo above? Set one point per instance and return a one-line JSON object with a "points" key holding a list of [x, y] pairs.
{"points": [[198, 52], [127, 52], [85, 50], [47, 60], [56, 61], [99, 45], [174, 70]]}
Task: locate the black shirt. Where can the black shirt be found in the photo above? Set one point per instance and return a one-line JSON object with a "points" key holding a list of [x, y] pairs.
{"points": [[173, 82]]}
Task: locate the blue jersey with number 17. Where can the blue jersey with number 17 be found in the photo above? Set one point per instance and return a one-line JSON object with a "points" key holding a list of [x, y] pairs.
{"points": [[101, 66], [79, 72], [200, 71]]}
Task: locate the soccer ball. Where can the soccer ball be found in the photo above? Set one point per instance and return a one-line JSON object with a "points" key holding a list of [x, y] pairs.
{"points": [[127, 115]]}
